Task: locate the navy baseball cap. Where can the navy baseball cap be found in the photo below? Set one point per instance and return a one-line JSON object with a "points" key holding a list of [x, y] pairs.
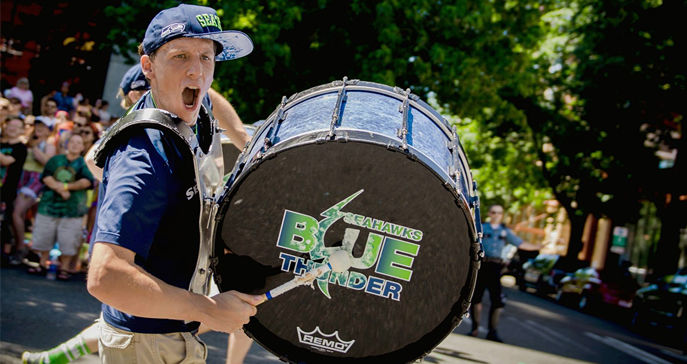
{"points": [[134, 79], [195, 21]]}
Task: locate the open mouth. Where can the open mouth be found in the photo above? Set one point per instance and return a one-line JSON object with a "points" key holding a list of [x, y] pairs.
{"points": [[190, 97]]}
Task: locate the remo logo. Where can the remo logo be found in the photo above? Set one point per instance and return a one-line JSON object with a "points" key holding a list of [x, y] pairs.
{"points": [[390, 250]]}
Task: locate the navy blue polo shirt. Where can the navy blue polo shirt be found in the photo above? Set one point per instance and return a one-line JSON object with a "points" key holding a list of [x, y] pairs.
{"points": [[148, 203]]}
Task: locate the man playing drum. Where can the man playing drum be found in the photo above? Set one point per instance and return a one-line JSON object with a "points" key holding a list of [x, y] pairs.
{"points": [[147, 237]]}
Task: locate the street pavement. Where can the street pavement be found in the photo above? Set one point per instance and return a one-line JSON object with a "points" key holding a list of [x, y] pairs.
{"points": [[36, 313]]}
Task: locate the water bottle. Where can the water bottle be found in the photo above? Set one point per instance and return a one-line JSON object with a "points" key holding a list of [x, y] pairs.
{"points": [[54, 263]]}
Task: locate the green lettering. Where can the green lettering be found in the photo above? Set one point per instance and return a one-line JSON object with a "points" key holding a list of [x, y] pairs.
{"points": [[395, 260], [377, 225], [200, 19], [398, 230], [297, 232], [367, 223], [408, 234], [359, 220]]}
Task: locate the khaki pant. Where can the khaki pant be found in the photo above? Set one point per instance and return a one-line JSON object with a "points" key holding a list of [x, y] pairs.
{"points": [[122, 347]]}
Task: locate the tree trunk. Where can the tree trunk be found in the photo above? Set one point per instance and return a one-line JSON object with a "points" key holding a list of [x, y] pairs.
{"points": [[576, 234], [672, 210], [668, 251]]}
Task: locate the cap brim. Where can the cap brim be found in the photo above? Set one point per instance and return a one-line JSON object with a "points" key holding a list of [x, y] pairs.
{"points": [[235, 44]]}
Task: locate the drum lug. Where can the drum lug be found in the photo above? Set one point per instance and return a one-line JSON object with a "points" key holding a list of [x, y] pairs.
{"points": [[338, 108], [343, 138], [402, 133]]}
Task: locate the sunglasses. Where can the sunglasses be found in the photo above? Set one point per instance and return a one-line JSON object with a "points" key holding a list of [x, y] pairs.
{"points": [[495, 212], [85, 132]]}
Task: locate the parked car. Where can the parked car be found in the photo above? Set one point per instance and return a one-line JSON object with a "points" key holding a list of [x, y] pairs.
{"points": [[574, 288], [616, 291], [544, 272], [515, 265], [592, 291], [662, 303]]}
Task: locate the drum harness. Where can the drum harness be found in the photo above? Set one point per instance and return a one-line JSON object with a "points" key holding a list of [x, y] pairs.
{"points": [[208, 166]]}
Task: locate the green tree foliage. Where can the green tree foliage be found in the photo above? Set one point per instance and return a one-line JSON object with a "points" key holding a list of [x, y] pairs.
{"points": [[615, 76], [461, 53]]}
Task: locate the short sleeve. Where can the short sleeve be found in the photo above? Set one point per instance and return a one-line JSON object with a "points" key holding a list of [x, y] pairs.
{"points": [[512, 239], [135, 199]]}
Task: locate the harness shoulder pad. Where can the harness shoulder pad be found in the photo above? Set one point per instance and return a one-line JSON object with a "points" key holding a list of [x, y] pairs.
{"points": [[138, 120]]}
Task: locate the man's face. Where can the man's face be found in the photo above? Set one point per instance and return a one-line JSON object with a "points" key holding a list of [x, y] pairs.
{"points": [[41, 129], [50, 108], [180, 75], [13, 128], [496, 214]]}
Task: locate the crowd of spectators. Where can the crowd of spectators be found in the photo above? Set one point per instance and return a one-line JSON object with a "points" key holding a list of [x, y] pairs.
{"points": [[48, 197]]}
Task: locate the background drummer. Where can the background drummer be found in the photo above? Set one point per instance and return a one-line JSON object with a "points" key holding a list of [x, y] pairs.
{"points": [[136, 220], [496, 237]]}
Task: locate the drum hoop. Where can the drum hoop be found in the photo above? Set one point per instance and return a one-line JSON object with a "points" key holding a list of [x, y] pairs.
{"points": [[414, 100], [243, 168], [394, 92]]}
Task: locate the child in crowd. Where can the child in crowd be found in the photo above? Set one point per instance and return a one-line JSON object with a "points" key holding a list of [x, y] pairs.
{"points": [[62, 208]]}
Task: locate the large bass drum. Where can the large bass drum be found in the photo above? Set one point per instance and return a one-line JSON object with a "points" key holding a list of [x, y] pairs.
{"points": [[367, 161]]}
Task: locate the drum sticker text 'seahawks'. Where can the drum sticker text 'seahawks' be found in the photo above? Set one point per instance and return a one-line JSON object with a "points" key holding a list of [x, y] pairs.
{"points": [[389, 254]]}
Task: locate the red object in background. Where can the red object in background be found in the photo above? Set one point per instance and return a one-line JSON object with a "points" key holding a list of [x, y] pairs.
{"points": [[613, 293]]}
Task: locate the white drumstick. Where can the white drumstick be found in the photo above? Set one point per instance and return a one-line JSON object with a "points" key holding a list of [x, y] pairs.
{"points": [[339, 261]]}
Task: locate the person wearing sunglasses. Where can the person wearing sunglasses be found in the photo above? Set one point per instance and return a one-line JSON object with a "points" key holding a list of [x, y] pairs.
{"points": [[495, 240]]}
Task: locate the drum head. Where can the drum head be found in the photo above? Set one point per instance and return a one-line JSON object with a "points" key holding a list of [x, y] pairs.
{"points": [[413, 252]]}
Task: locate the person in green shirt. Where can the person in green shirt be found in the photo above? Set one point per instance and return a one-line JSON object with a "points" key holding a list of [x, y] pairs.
{"points": [[62, 207]]}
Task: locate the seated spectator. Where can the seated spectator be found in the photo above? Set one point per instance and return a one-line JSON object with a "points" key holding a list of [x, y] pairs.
{"points": [[62, 208], [12, 157], [40, 149], [21, 91]]}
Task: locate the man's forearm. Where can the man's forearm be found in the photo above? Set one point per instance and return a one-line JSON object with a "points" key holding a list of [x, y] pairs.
{"points": [[114, 279]]}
